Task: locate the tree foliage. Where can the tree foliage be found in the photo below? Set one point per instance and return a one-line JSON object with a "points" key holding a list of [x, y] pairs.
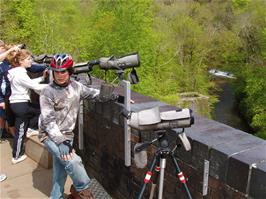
{"points": [[178, 41]]}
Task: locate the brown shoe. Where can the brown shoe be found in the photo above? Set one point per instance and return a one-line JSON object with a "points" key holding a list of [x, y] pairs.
{"points": [[70, 196], [84, 194]]}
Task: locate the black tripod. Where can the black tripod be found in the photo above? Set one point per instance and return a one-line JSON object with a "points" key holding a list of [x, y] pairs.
{"points": [[160, 159]]}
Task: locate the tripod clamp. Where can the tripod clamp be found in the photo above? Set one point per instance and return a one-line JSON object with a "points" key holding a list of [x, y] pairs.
{"points": [[145, 145]]}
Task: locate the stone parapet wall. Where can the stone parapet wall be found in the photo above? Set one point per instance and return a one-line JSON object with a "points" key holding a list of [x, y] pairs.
{"points": [[237, 160]]}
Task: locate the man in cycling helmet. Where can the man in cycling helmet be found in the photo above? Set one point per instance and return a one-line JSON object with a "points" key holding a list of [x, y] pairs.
{"points": [[59, 109]]}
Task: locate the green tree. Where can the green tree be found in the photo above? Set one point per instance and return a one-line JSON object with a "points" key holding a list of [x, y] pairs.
{"points": [[251, 85], [121, 27], [17, 20]]}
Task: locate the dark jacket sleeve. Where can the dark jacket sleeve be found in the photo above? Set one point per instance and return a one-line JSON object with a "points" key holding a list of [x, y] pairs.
{"points": [[36, 68], [2, 97], [4, 67]]}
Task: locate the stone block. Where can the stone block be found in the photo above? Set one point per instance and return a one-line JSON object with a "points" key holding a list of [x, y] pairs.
{"points": [[200, 152], [138, 98], [258, 181], [219, 154], [200, 124], [136, 107], [107, 110], [89, 106], [117, 118], [99, 108], [215, 143], [182, 154], [103, 125], [204, 138], [37, 152], [240, 164]]}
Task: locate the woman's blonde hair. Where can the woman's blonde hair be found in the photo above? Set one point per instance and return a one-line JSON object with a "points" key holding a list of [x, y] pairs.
{"points": [[16, 57]]}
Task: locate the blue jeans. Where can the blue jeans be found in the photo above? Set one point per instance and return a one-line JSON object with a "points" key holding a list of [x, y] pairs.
{"points": [[74, 168]]}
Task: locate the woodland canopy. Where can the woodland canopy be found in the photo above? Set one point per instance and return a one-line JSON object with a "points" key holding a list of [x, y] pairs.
{"points": [[178, 41]]}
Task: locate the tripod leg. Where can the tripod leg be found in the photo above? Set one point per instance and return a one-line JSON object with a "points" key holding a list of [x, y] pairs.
{"points": [[148, 176], [161, 181], [181, 176], [154, 181]]}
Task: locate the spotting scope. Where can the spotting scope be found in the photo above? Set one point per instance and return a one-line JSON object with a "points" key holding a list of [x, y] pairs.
{"points": [[109, 63]]}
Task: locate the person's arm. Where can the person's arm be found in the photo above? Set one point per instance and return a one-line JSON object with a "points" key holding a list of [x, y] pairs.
{"points": [[5, 54], [36, 68], [47, 121], [2, 97], [87, 92], [3, 87], [27, 82], [38, 79]]}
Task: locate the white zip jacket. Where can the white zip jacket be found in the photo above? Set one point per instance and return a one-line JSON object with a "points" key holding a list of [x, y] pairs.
{"points": [[21, 84]]}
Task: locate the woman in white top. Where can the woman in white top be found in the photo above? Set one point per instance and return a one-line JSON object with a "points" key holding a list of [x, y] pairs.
{"points": [[20, 99]]}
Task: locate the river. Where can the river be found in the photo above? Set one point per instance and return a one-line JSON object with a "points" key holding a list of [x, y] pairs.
{"points": [[225, 111]]}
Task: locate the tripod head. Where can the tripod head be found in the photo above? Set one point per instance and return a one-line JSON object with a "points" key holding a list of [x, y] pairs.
{"points": [[162, 138]]}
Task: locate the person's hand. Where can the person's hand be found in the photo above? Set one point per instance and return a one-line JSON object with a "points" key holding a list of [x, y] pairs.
{"points": [[66, 150], [15, 48], [45, 73], [2, 105]]}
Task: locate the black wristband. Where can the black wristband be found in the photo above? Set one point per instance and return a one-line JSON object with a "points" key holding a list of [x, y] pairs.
{"points": [[67, 143]]}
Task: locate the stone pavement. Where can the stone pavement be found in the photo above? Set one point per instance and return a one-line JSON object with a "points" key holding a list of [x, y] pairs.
{"points": [[26, 179]]}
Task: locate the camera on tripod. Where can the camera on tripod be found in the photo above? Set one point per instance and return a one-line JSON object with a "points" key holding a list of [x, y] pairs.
{"points": [[160, 122], [153, 119]]}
